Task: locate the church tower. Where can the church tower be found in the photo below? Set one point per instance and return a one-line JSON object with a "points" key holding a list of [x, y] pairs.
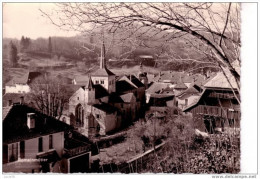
{"points": [[104, 76], [90, 92]]}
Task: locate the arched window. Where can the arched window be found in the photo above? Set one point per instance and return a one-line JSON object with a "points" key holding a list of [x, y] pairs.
{"points": [[79, 113]]}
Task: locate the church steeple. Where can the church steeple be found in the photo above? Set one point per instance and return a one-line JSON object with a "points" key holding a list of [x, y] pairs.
{"points": [[103, 54]]}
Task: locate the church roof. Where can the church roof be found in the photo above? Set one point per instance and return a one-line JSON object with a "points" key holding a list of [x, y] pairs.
{"points": [[136, 81], [127, 97], [180, 85], [105, 107], [89, 84], [100, 91], [102, 72], [123, 86]]}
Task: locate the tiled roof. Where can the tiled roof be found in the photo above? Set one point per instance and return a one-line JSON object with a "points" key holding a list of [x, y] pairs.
{"points": [[180, 85], [25, 79], [136, 81], [105, 107], [161, 95], [127, 97], [156, 87], [167, 90], [102, 72], [190, 90], [71, 89], [100, 91], [15, 98], [115, 98], [81, 80], [15, 124], [123, 86], [6, 111], [220, 81]]}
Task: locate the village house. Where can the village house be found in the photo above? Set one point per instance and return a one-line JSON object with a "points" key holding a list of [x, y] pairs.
{"points": [[174, 77], [218, 104], [21, 84], [106, 103], [34, 142], [188, 96], [160, 95]]}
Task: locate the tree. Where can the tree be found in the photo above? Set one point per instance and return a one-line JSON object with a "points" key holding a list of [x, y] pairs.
{"points": [[210, 29], [13, 54], [50, 46], [49, 95], [25, 43]]}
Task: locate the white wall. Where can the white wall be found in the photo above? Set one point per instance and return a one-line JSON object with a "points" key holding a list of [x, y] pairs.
{"points": [[17, 88]]}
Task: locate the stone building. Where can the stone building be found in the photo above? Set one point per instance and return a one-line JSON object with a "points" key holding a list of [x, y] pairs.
{"points": [[106, 103]]}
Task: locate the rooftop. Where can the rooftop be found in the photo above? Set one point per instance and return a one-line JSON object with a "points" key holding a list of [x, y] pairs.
{"points": [[105, 107], [156, 87], [123, 86], [27, 78], [127, 97], [102, 72], [15, 124], [180, 85], [220, 81]]}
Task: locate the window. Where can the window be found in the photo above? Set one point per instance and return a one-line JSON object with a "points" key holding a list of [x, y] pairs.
{"points": [[97, 116], [102, 81], [40, 145], [97, 82], [186, 102], [50, 142], [78, 98], [14, 152], [22, 149]]}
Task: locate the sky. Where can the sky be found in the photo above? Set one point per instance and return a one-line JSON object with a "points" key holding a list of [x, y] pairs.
{"points": [[25, 19]]}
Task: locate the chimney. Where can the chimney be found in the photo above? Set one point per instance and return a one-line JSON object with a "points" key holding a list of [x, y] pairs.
{"points": [[205, 76], [31, 120], [10, 102], [21, 100]]}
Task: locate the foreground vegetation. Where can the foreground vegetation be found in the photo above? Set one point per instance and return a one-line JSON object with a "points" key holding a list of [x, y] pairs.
{"points": [[184, 152]]}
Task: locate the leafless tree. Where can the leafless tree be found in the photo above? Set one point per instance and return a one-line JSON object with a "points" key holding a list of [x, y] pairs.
{"points": [[211, 29], [49, 95]]}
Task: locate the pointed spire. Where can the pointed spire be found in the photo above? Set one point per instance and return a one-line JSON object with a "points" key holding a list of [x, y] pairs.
{"points": [[103, 53], [90, 84]]}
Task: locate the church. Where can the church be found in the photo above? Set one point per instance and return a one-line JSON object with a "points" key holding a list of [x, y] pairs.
{"points": [[106, 102]]}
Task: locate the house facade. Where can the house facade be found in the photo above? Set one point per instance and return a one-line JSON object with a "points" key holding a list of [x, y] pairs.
{"points": [[218, 105], [36, 143]]}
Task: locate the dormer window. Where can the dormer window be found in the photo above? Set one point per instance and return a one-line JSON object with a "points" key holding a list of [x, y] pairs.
{"points": [[31, 120], [102, 82]]}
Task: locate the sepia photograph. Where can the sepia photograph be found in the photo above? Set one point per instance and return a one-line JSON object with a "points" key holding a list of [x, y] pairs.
{"points": [[124, 88]]}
